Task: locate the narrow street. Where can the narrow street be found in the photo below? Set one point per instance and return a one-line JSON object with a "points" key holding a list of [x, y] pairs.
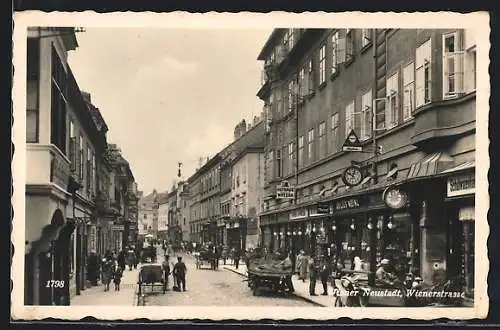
{"points": [[205, 287]]}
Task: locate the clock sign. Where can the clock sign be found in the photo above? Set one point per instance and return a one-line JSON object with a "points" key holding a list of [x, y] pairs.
{"points": [[394, 198], [352, 176]]}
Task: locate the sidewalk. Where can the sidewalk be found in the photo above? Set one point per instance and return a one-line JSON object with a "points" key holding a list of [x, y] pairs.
{"points": [[98, 297], [301, 288]]}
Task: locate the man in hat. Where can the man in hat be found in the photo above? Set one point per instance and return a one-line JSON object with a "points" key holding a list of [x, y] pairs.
{"points": [[180, 273], [383, 275], [166, 269]]}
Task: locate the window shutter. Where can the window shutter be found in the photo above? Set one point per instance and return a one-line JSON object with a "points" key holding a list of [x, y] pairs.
{"points": [[379, 104], [420, 86]]}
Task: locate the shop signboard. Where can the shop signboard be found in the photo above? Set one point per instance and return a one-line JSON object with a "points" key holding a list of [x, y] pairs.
{"points": [[298, 214], [323, 208], [347, 204], [59, 170], [118, 228], [352, 143], [463, 184], [285, 191]]}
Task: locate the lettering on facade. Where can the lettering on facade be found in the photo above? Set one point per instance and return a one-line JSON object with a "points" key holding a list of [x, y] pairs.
{"points": [[461, 185], [323, 208], [285, 191], [59, 171], [347, 204], [298, 214]]}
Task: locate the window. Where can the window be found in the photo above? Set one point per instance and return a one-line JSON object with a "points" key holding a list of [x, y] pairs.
{"points": [[80, 159], [366, 37], [322, 64], [94, 183], [32, 92], [366, 115], [335, 38], [72, 146], [58, 104], [392, 108], [310, 145], [291, 151], [350, 119], [301, 151], [408, 91], [423, 74], [322, 140], [279, 164], [453, 65], [88, 172], [310, 77], [470, 60], [303, 88], [290, 96], [271, 164], [335, 132], [349, 44], [145, 216]]}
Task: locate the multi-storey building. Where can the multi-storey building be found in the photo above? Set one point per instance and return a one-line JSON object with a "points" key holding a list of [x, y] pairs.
{"points": [[246, 197], [163, 208], [66, 151], [409, 96], [184, 203], [148, 215]]}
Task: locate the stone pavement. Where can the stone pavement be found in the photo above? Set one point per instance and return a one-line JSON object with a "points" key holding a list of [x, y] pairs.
{"points": [[301, 288], [97, 296]]}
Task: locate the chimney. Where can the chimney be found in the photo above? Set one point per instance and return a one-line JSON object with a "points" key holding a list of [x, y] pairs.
{"points": [[243, 126], [237, 131], [86, 96]]}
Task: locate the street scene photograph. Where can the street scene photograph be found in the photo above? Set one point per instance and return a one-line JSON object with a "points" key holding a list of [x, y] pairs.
{"points": [[262, 167]]}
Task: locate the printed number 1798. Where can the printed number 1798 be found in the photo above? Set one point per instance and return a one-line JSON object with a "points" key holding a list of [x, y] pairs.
{"points": [[54, 284]]}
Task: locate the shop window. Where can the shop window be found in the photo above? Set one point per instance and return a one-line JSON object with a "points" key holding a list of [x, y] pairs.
{"points": [[423, 60], [408, 91]]}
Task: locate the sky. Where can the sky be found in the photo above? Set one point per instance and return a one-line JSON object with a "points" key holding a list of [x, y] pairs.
{"points": [[170, 95]]}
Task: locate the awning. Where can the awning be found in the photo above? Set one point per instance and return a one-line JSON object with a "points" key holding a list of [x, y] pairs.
{"points": [[461, 167], [431, 165]]}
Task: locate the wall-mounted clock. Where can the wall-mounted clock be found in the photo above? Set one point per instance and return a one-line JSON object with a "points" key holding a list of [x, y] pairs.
{"points": [[352, 176], [394, 197]]}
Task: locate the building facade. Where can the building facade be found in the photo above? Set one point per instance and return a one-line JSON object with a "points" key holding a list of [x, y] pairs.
{"points": [[163, 208], [67, 174], [409, 97], [148, 215]]}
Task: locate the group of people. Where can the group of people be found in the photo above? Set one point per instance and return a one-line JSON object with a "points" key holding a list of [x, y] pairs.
{"points": [[110, 267], [178, 272]]}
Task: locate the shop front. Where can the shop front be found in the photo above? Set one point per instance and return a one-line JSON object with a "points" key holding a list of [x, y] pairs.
{"points": [[460, 211]]}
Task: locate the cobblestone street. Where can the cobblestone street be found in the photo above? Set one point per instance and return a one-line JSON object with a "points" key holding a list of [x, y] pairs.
{"points": [[205, 287]]}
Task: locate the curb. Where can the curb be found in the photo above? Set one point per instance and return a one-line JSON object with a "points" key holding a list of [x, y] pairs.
{"points": [[309, 300]]}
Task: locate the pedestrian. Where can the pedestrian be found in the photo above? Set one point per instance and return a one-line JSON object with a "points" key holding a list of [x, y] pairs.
{"points": [[312, 277], [324, 273], [302, 264], [236, 258], [117, 277], [106, 272], [121, 259], [166, 269], [180, 271]]}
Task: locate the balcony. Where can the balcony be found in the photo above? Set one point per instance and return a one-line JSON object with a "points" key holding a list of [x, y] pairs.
{"points": [[46, 165]]}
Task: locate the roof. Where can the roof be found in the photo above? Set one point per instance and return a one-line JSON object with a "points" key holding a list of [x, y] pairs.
{"points": [[269, 44]]}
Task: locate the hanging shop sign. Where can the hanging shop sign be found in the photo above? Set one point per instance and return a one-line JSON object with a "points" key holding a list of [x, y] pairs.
{"points": [[394, 197], [285, 191], [298, 214], [352, 176], [347, 204], [352, 143], [460, 185]]}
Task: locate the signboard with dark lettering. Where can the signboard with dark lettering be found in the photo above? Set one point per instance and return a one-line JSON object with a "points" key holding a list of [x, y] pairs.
{"points": [[463, 184], [323, 208], [59, 170], [285, 191], [298, 214], [347, 204]]}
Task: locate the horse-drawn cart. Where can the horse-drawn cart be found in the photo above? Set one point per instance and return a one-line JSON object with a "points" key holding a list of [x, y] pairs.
{"points": [[205, 258]]}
